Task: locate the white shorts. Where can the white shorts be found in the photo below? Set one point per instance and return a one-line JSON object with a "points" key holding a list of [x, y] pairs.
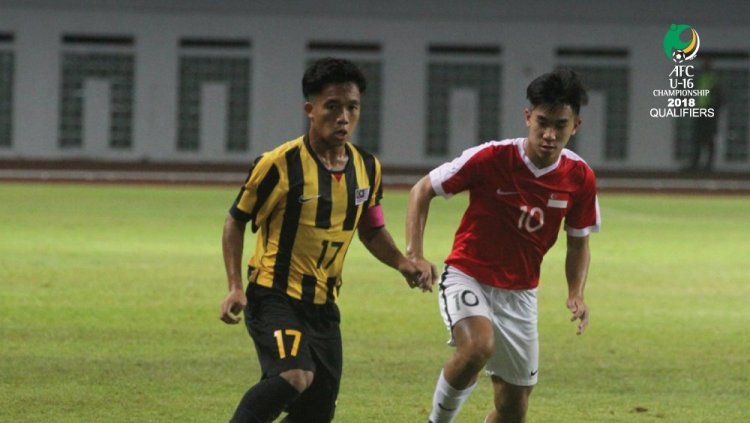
{"points": [[513, 314]]}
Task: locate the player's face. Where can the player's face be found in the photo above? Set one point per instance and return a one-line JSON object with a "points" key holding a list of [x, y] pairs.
{"points": [[550, 129], [334, 113]]}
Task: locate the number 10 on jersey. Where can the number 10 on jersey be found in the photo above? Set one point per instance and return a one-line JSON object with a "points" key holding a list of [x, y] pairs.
{"points": [[531, 219]]}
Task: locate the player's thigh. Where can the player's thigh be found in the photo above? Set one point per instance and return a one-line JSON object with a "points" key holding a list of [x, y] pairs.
{"points": [[318, 402], [461, 297], [280, 335], [516, 337]]}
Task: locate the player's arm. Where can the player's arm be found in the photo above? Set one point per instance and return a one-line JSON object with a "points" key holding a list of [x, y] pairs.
{"points": [[576, 269], [461, 174], [379, 243], [254, 203], [232, 242], [420, 197]]}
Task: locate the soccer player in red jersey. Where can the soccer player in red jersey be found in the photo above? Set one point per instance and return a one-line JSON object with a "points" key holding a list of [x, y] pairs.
{"points": [[520, 190]]}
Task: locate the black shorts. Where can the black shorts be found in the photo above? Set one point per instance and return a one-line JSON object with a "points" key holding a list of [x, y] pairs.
{"points": [[291, 334]]}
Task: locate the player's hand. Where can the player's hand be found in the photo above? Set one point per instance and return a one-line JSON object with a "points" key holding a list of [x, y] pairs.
{"points": [[580, 311], [232, 305], [412, 273], [428, 273], [409, 271]]}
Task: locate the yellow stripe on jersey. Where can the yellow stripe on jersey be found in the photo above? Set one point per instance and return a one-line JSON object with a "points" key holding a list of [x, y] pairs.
{"points": [[306, 217]]}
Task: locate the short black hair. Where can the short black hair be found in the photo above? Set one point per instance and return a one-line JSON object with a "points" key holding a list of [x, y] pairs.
{"points": [[330, 70], [558, 88]]}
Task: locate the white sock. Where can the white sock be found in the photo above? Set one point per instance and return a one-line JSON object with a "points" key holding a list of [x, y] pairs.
{"points": [[447, 400]]}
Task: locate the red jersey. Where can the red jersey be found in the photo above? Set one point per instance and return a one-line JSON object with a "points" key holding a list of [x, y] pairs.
{"points": [[515, 210]]}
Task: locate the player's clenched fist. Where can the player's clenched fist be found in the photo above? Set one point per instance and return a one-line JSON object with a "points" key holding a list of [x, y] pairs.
{"points": [[232, 305], [428, 273]]}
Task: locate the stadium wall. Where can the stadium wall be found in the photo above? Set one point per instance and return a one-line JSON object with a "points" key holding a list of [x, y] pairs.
{"points": [[277, 49]]}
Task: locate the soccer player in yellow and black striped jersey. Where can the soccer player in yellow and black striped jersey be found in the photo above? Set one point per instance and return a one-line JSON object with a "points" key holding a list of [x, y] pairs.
{"points": [[305, 199], [306, 215]]}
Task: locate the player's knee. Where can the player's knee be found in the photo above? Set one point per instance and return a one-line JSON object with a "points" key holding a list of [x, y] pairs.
{"points": [[299, 379], [478, 351]]}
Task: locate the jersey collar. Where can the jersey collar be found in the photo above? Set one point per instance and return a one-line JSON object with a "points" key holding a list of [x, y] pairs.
{"points": [[311, 152], [530, 165]]}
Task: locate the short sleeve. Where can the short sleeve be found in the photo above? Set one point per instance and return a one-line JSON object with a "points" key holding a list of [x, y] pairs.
{"points": [[374, 176], [377, 185], [259, 194], [584, 216], [461, 174]]}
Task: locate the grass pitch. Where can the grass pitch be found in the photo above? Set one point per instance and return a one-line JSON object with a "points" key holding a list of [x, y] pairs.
{"points": [[109, 299]]}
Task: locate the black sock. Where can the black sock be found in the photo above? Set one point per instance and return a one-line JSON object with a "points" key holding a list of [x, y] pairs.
{"points": [[265, 401]]}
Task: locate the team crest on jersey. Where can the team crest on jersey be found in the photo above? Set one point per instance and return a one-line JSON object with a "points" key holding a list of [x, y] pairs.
{"points": [[558, 200], [360, 195]]}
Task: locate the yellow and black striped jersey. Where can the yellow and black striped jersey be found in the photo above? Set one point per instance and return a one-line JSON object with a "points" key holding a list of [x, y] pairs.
{"points": [[307, 216]]}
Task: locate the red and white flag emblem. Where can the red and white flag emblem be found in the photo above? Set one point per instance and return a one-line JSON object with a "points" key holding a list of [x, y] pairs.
{"points": [[558, 200]]}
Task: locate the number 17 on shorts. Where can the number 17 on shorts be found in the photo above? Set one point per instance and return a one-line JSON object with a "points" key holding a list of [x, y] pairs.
{"points": [[279, 335]]}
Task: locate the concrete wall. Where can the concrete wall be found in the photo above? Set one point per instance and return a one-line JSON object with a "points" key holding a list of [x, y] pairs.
{"points": [[278, 55]]}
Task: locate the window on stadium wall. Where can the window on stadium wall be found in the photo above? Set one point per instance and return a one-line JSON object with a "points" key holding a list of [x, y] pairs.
{"points": [[6, 98], [223, 64], [367, 57], [732, 134], [604, 71], [463, 97], [107, 62]]}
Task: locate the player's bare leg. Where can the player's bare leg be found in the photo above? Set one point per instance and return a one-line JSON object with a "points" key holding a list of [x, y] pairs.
{"points": [[475, 344], [299, 379], [511, 402]]}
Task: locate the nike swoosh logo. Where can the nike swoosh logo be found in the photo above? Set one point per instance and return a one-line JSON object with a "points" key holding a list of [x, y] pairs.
{"points": [[306, 199], [446, 409], [501, 192], [534, 372]]}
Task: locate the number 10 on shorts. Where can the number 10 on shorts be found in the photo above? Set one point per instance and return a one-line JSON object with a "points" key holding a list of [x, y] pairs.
{"points": [[280, 341], [467, 297]]}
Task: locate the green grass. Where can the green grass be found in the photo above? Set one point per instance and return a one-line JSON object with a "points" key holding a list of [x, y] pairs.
{"points": [[109, 301]]}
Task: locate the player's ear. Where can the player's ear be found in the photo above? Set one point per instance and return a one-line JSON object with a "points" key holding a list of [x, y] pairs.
{"points": [[576, 123], [308, 109], [527, 115]]}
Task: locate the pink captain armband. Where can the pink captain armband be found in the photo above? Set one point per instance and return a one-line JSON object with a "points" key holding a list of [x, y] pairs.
{"points": [[373, 217]]}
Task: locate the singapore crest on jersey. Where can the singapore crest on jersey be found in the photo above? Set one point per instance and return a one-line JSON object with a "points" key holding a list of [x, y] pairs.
{"points": [[558, 200]]}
